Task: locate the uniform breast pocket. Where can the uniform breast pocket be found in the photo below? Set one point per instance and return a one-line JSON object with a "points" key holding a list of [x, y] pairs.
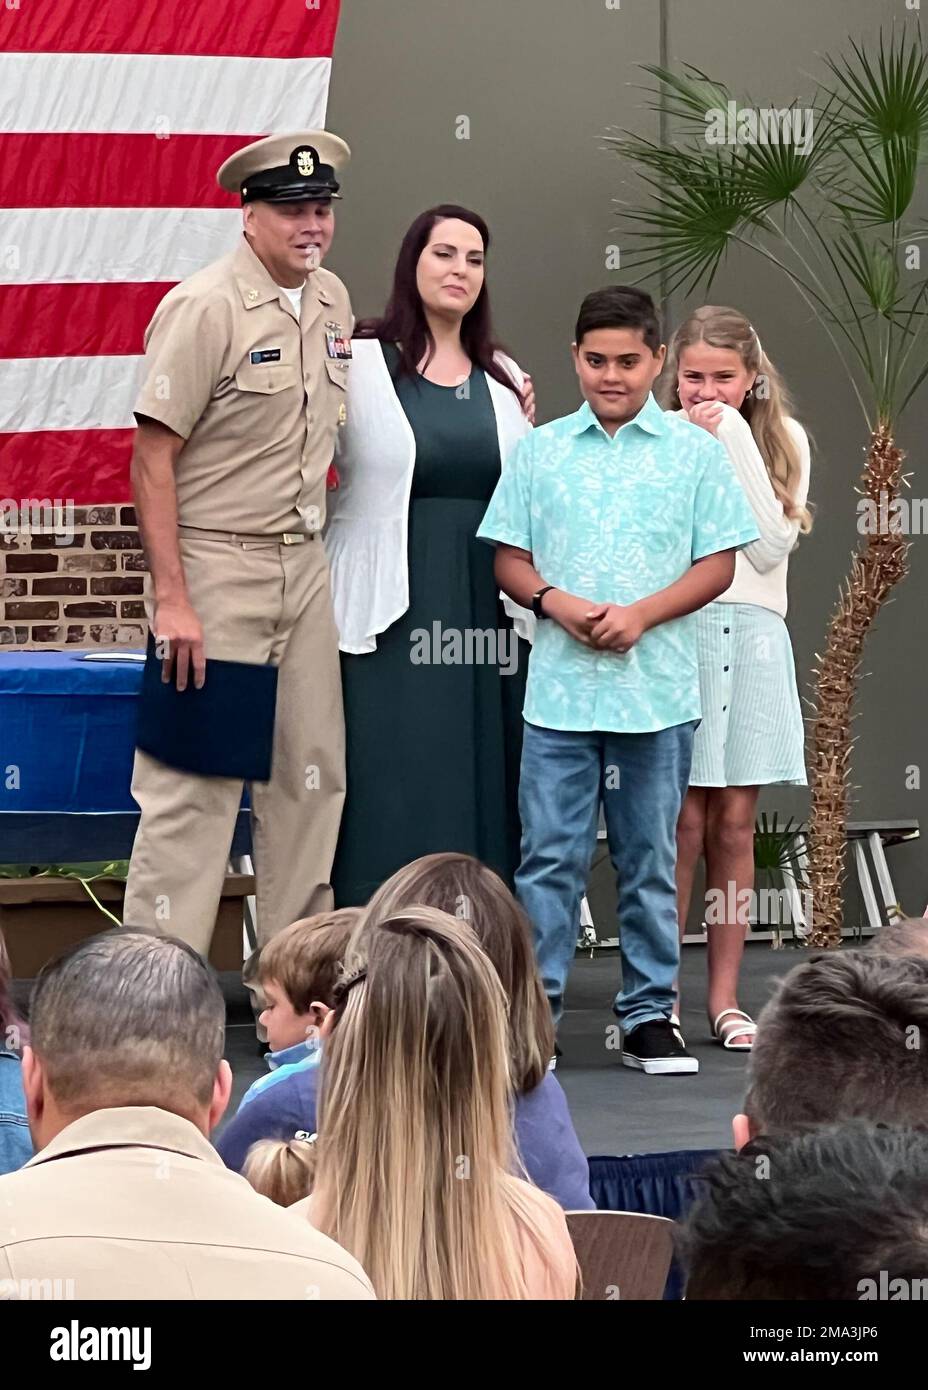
{"points": [[266, 379], [338, 371]]}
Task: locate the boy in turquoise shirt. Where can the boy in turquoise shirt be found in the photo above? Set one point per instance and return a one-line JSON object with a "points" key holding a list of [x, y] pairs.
{"points": [[615, 524]]}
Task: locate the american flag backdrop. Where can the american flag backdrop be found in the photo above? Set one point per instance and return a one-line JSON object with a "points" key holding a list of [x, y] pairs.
{"points": [[114, 117]]}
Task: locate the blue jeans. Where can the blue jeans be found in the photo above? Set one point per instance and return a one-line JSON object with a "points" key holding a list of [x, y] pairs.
{"points": [[641, 779]]}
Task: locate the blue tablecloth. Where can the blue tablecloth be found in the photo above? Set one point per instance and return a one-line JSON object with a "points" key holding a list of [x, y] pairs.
{"points": [[67, 739], [68, 726]]}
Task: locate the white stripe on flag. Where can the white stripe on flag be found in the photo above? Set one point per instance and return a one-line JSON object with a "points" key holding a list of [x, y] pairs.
{"points": [[142, 93], [43, 245], [68, 393]]}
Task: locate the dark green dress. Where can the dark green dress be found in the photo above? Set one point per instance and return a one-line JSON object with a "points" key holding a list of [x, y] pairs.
{"points": [[433, 749]]}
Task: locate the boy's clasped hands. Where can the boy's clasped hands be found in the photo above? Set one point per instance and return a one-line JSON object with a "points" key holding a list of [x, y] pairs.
{"points": [[611, 627]]}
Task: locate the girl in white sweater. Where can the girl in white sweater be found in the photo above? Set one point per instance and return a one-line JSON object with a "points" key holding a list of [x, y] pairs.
{"points": [[751, 733]]}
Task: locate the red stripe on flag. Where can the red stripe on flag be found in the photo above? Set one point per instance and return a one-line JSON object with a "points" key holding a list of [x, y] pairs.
{"points": [[82, 320], [80, 466], [115, 171], [245, 29]]}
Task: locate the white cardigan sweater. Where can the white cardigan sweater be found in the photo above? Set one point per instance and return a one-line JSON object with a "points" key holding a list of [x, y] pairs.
{"points": [[368, 514], [760, 566]]}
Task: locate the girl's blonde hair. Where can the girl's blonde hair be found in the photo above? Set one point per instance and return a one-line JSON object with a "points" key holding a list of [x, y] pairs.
{"points": [[415, 1149], [460, 885], [766, 412], [281, 1170]]}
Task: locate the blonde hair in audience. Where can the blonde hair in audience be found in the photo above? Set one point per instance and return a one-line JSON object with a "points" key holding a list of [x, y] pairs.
{"points": [[282, 1171], [460, 885], [415, 1149], [765, 410]]}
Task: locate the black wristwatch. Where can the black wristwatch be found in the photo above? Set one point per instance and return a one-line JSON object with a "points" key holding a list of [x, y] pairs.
{"points": [[536, 601]]}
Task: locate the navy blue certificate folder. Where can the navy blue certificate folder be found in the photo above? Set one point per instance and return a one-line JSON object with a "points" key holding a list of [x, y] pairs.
{"points": [[226, 729]]}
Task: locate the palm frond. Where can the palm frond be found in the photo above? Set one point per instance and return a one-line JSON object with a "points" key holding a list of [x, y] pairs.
{"points": [[875, 269], [698, 201], [686, 96], [877, 184], [828, 213], [886, 99], [772, 174]]}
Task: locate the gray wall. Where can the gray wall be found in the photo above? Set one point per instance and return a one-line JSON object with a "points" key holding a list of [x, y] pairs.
{"points": [[541, 82]]}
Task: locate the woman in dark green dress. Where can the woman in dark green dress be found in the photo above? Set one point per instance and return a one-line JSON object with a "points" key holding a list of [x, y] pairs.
{"points": [[433, 666]]}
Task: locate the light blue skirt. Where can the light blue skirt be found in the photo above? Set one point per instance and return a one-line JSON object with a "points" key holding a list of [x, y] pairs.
{"points": [[752, 731]]}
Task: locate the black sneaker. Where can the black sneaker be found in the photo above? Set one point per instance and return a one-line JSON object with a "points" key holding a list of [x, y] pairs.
{"points": [[656, 1047]]}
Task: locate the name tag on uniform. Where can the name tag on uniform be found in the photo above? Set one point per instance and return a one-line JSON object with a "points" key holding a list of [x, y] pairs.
{"points": [[264, 355], [337, 346]]}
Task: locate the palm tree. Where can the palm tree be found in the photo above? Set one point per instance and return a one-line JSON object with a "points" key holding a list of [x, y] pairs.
{"points": [[830, 211]]}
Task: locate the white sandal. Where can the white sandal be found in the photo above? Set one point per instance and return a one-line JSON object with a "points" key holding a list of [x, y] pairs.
{"points": [[739, 1025]]}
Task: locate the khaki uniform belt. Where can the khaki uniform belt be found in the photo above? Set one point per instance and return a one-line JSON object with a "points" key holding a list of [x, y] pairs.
{"points": [[243, 538]]}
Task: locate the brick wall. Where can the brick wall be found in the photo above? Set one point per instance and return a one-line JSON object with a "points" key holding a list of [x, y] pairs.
{"points": [[86, 592]]}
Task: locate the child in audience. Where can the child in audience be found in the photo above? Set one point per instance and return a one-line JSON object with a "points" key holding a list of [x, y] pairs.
{"points": [[544, 1132], [468, 890], [15, 1141], [414, 1159], [296, 972], [281, 1171]]}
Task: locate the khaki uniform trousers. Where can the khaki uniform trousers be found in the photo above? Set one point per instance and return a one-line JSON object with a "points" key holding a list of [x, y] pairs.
{"points": [[258, 601]]}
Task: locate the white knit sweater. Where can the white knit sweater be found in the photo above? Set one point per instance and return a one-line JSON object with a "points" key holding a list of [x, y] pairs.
{"points": [[368, 515], [760, 566]]}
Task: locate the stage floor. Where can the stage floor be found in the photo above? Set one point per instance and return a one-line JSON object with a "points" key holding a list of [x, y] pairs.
{"points": [[615, 1110]]}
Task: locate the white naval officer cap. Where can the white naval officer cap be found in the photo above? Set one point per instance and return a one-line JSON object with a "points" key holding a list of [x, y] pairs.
{"points": [[286, 168]]}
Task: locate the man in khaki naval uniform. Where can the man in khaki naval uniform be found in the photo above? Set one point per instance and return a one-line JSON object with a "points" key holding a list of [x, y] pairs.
{"points": [[125, 1197], [247, 364]]}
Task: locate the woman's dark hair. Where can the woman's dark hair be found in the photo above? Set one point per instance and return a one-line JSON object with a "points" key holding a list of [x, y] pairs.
{"points": [[619, 306], [403, 321], [13, 1031]]}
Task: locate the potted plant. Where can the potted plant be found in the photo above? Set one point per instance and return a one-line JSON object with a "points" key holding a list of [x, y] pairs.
{"points": [[780, 882]]}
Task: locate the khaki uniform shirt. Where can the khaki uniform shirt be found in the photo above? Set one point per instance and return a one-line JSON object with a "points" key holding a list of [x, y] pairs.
{"points": [[134, 1203], [257, 396]]}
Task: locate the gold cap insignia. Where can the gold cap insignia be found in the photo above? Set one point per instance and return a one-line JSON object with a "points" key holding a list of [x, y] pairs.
{"points": [[305, 163]]}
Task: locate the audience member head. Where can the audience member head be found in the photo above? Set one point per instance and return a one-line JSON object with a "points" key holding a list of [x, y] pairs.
{"points": [[907, 936], [125, 1018], [466, 889], [845, 1035], [415, 1147], [296, 971], [836, 1212], [13, 1032]]}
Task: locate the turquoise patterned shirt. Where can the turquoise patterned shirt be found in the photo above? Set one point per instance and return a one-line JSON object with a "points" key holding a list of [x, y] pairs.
{"points": [[614, 520]]}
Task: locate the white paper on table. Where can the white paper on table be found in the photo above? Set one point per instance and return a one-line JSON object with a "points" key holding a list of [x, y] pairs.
{"points": [[113, 656]]}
